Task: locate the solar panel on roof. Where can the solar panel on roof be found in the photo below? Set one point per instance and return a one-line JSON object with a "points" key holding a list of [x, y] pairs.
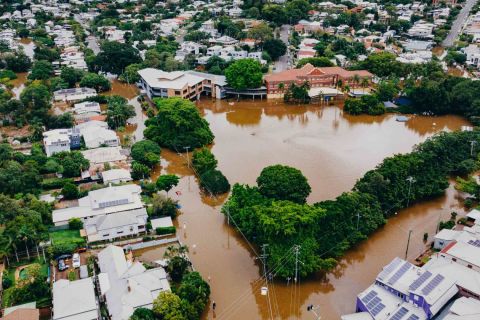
{"points": [[373, 303], [389, 268], [433, 284], [369, 296], [413, 317], [475, 243], [400, 272], [379, 307], [420, 280], [399, 314]]}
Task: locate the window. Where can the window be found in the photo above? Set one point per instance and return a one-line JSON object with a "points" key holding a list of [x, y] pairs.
{"points": [[454, 259], [120, 232], [106, 235], [470, 266], [131, 229], [177, 92]]}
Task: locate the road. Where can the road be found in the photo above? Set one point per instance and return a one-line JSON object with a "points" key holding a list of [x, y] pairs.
{"points": [[457, 25], [283, 62]]}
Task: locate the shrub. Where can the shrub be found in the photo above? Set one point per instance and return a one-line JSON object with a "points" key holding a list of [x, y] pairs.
{"points": [[75, 224], [146, 152], [70, 191], [55, 183], [203, 160], [165, 230], [214, 181], [163, 206]]}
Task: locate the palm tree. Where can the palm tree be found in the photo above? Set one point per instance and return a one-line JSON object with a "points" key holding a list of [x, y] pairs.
{"points": [[281, 87], [365, 83], [356, 79]]}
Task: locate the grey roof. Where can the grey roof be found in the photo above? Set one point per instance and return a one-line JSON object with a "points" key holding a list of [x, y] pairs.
{"points": [[74, 300]]}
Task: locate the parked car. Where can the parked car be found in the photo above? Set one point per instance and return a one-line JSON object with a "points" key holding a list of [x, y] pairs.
{"points": [[76, 260], [62, 265]]}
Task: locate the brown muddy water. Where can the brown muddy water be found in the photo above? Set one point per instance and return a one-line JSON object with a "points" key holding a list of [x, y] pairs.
{"points": [[333, 150]]}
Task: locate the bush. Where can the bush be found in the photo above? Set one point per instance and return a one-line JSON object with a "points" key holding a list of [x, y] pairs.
{"points": [[163, 206], [55, 183], [146, 152], [139, 171], [214, 181], [165, 230], [75, 224], [203, 160], [70, 191]]}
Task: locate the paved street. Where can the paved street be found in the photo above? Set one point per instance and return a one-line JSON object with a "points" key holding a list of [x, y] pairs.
{"points": [[457, 25], [282, 63]]}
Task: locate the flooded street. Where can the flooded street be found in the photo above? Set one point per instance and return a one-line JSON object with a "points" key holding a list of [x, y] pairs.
{"points": [[19, 84], [333, 150]]}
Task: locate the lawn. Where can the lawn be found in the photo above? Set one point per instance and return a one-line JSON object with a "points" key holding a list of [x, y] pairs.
{"points": [[66, 236]]}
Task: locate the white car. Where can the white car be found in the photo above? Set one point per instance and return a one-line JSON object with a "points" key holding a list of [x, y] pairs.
{"points": [[76, 260]]}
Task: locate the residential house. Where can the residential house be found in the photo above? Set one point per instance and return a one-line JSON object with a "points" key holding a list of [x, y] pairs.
{"points": [[59, 140], [473, 55], [75, 300], [116, 176], [464, 309], [74, 94], [113, 226], [102, 155], [466, 254], [96, 134], [125, 285], [26, 311], [86, 111], [107, 201]]}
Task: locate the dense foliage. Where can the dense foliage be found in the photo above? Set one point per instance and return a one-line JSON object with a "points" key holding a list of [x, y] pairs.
{"points": [[283, 183], [325, 230], [146, 152], [244, 74], [368, 104], [211, 180], [178, 125]]}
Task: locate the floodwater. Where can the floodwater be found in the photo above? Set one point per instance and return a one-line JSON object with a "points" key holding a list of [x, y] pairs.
{"points": [[19, 84], [28, 47], [333, 150]]}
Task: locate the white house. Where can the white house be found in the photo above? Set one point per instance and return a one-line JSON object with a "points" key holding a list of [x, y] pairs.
{"points": [[127, 285], [59, 140], [106, 201], [113, 226], [116, 176], [96, 134], [473, 55], [75, 300], [74, 94], [104, 154]]}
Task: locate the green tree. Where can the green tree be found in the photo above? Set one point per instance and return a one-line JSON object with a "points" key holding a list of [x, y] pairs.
{"points": [[178, 125], [75, 224], [143, 314], [118, 111], [196, 292], [386, 91], [70, 191], [214, 182], [167, 181], [130, 74], [244, 74], [168, 306], [114, 57], [275, 48], [73, 163], [164, 206], [283, 183], [203, 160], [71, 76], [41, 70], [18, 62], [139, 171], [146, 152], [260, 32], [316, 62], [95, 81]]}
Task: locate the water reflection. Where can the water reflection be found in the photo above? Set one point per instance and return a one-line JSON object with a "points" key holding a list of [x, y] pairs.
{"points": [[332, 150]]}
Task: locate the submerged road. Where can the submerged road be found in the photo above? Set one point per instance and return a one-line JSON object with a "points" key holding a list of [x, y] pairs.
{"points": [[457, 25]]}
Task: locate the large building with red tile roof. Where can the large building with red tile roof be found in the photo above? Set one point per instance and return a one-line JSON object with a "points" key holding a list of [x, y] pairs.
{"points": [[316, 77]]}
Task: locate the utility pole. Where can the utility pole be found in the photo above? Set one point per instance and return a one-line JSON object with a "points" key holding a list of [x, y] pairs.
{"points": [[297, 250], [408, 243], [472, 144], [411, 180], [188, 158]]}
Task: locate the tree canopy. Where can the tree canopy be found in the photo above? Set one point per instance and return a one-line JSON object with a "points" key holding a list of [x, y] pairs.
{"points": [[283, 183], [146, 152], [114, 57], [178, 125], [244, 74]]}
